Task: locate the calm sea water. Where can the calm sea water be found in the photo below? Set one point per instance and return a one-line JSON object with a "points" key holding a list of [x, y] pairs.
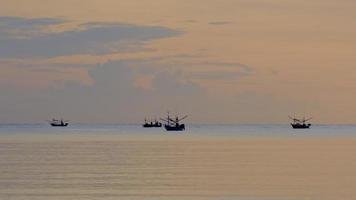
{"points": [[247, 162], [192, 130]]}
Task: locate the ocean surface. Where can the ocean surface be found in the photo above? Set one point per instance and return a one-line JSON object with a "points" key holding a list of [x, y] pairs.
{"points": [[222, 162], [192, 130]]}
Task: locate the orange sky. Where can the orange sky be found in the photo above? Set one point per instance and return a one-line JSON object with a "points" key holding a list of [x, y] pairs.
{"points": [[256, 61]]}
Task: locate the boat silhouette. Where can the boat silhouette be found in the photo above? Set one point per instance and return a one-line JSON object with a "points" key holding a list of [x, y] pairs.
{"points": [[174, 124], [152, 124], [58, 123], [300, 123]]}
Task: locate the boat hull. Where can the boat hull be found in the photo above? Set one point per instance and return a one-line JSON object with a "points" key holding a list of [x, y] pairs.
{"points": [[152, 126], [175, 128], [59, 125], [301, 126]]}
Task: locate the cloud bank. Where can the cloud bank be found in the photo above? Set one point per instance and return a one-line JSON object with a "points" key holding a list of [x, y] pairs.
{"points": [[114, 96], [22, 37]]}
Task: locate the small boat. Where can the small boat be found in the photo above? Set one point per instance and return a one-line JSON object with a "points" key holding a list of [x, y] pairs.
{"points": [[174, 124], [179, 127], [58, 123], [152, 124], [300, 123]]}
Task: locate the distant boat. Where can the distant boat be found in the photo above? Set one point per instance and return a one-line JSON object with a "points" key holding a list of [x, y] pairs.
{"points": [[58, 123], [300, 123], [152, 124], [174, 124]]}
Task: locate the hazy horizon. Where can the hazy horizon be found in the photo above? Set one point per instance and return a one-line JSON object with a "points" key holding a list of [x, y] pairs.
{"points": [[230, 61]]}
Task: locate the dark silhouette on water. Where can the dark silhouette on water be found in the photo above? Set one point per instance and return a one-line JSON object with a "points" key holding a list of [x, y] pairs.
{"points": [[58, 123], [152, 124], [174, 124], [300, 123]]}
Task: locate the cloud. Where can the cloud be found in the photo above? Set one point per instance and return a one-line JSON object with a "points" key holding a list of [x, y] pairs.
{"points": [[218, 75], [220, 23], [112, 97], [191, 21], [174, 84], [93, 38], [228, 64], [194, 68], [225, 71], [8, 24]]}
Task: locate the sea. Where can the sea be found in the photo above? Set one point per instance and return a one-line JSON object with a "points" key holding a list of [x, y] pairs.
{"points": [[205, 162]]}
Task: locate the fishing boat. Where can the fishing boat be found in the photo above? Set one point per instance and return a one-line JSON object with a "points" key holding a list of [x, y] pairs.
{"points": [[300, 123], [174, 124], [152, 124], [58, 123]]}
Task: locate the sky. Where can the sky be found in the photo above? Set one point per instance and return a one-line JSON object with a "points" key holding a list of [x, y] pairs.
{"points": [[226, 61]]}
